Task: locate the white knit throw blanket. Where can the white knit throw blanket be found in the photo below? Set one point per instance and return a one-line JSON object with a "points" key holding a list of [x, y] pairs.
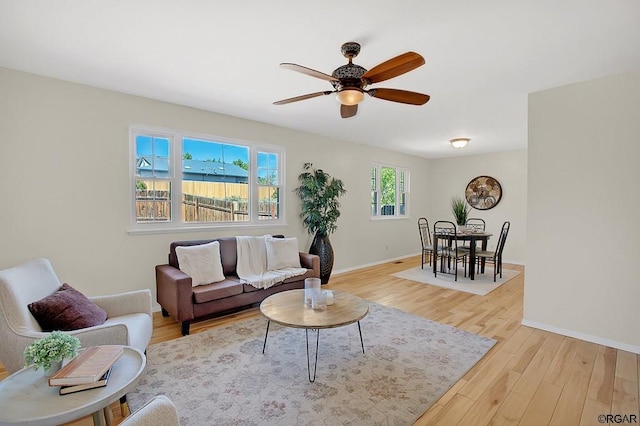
{"points": [[252, 264]]}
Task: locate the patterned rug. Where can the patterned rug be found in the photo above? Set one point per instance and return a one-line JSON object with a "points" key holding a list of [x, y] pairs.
{"points": [[482, 284], [221, 377]]}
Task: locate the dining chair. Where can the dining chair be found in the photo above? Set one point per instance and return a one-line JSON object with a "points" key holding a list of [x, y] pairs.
{"points": [[474, 224], [425, 240], [495, 257], [449, 251]]}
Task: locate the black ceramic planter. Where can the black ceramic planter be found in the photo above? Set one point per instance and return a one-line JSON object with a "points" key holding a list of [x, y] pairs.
{"points": [[322, 247]]}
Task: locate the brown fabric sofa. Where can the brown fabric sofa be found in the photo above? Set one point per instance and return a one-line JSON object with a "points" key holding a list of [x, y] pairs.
{"points": [[185, 303]]}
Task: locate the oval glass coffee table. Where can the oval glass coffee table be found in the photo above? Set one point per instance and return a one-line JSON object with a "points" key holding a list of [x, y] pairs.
{"points": [[287, 308]]}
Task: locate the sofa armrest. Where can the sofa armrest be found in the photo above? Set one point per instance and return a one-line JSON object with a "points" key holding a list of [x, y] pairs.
{"points": [[310, 261], [131, 302], [174, 292]]}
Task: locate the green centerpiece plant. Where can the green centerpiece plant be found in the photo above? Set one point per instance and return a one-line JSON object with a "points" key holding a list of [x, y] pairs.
{"points": [[51, 350], [319, 210], [460, 210]]}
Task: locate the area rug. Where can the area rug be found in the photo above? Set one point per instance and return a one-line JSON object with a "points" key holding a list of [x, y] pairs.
{"points": [[221, 377], [482, 284]]}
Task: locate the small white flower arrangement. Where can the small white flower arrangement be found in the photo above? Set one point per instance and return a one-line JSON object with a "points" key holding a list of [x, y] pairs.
{"points": [[55, 347]]}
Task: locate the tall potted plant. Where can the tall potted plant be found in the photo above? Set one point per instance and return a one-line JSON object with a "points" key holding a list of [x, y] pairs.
{"points": [[460, 210], [319, 193]]}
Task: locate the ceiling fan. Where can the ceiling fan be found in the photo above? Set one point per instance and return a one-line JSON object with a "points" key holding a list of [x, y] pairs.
{"points": [[350, 81]]}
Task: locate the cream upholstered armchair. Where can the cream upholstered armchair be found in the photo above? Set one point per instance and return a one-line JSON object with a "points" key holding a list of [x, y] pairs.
{"points": [[128, 322], [159, 411]]}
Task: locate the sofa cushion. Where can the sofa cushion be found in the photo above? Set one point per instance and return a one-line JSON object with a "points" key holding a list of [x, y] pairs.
{"points": [[282, 253], [201, 262], [228, 252], [215, 291], [65, 310]]}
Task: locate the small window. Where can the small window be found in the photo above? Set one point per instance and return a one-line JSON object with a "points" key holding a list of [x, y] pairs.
{"points": [[152, 183], [374, 191], [389, 191], [268, 186]]}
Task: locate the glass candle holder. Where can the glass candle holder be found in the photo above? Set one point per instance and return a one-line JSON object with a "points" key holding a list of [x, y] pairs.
{"points": [[319, 300], [310, 285]]}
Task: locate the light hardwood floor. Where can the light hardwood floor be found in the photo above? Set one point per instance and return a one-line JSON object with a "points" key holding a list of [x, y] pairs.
{"points": [[530, 377]]}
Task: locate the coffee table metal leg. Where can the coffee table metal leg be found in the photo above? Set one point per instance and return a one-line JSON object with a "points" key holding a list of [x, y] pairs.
{"points": [[361, 341], [124, 406], [265, 336], [315, 365]]}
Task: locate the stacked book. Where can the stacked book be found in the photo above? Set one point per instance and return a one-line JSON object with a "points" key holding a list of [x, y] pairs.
{"points": [[90, 369]]}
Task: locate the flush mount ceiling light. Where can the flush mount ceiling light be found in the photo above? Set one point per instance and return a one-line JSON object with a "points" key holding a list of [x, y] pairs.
{"points": [[459, 142]]}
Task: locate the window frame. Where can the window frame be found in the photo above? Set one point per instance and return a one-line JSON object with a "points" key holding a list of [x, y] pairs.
{"points": [[398, 194], [176, 224]]}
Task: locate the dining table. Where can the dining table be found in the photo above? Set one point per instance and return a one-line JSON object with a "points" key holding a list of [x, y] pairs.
{"points": [[471, 235]]}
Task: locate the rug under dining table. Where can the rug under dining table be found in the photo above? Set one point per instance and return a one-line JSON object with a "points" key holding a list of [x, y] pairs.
{"points": [[221, 377], [483, 284]]}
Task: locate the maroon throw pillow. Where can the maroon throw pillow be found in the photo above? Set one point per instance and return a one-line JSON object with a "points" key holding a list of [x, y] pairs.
{"points": [[67, 309]]}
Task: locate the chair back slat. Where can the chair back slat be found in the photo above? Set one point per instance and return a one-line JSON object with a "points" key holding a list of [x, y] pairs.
{"points": [[447, 251], [448, 230], [503, 238], [425, 234], [476, 223]]}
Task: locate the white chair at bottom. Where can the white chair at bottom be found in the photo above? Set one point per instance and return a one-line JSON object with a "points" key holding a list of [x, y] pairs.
{"points": [[159, 411]]}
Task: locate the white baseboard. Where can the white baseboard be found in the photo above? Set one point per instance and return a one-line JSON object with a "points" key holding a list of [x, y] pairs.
{"points": [[379, 262], [586, 337]]}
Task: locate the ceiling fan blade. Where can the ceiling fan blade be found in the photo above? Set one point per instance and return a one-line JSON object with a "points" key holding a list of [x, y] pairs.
{"points": [[402, 96], [303, 97], [394, 67], [308, 71], [347, 111]]}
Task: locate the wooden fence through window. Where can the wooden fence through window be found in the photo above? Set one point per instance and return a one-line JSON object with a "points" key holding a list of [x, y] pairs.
{"points": [[156, 206]]}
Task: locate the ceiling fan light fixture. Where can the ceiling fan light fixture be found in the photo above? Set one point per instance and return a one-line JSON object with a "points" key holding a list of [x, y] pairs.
{"points": [[350, 80], [350, 96], [459, 142]]}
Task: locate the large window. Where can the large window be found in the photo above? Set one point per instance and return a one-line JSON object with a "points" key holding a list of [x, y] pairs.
{"points": [[183, 180], [389, 191]]}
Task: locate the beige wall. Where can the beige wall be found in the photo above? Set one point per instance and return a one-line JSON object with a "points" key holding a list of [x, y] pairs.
{"points": [[583, 238]]}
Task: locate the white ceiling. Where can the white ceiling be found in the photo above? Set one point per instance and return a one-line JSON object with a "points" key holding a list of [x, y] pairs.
{"points": [[483, 57]]}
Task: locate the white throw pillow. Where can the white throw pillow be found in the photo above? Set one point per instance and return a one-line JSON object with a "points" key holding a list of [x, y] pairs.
{"points": [[282, 253], [202, 263]]}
